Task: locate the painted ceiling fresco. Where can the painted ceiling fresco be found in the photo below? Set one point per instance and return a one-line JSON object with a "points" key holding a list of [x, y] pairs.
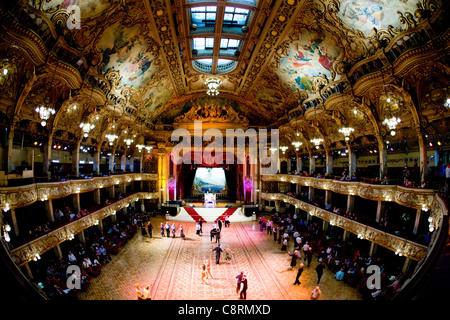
{"points": [[126, 42], [309, 56], [364, 15]]}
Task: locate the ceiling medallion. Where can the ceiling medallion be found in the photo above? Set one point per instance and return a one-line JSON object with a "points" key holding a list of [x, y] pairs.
{"points": [[212, 84]]}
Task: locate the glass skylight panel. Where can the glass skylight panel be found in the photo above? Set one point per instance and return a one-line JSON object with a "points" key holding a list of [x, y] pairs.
{"points": [[203, 43], [203, 16], [235, 16], [229, 43]]}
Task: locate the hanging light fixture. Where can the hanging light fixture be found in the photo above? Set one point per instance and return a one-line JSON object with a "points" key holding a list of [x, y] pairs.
{"points": [[317, 142], [346, 131], [111, 137], [283, 149], [87, 127], [392, 124], [45, 111], [297, 145], [212, 84]]}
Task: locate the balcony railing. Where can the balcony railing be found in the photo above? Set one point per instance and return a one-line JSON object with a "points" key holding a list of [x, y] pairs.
{"points": [[408, 197], [408, 248], [17, 197], [38, 246]]}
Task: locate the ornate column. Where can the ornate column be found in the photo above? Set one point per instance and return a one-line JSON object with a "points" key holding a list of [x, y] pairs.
{"points": [[329, 163], [328, 194], [299, 163], [380, 209], [49, 210], [417, 220], [96, 156], [96, 193], [312, 163], [350, 203], [14, 222], [351, 161], [383, 160], [47, 154], [76, 202], [123, 162], [76, 158], [111, 160]]}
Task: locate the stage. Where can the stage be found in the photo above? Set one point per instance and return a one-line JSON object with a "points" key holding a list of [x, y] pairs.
{"points": [[194, 214]]}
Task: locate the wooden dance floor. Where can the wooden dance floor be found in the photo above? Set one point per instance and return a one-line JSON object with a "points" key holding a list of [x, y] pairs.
{"points": [[170, 266]]}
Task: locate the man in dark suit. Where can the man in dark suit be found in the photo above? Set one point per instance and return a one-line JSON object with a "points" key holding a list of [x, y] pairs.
{"points": [[299, 273], [219, 223], [218, 250]]}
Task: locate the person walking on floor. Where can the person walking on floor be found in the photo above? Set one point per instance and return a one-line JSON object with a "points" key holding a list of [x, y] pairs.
{"points": [[227, 222], [203, 271], [219, 224], [174, 230], [218, 250], [161, 226], [182, 232], [315, 294], [239, 280], [150, 229], [244, 286], [319, 270], [197, 227], [218, 237], [299, 273], [212, 234], [294, 258], [200, 222], [167, 229], [305, 249], [275, 229], [208, 269], [284, 246]]}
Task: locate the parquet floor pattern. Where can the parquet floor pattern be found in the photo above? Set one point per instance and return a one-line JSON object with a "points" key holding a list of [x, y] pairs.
{"points": [[170, 266]]}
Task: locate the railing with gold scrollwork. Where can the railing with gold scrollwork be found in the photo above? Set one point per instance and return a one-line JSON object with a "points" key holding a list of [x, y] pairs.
{"points": [[408, 197], [16, 197], [38, 246], [407, 248]]}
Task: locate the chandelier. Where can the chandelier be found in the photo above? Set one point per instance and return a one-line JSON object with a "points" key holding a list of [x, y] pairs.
{"points": [[212, 84], [317, 141], [392, 124], [447, 103], [283, 149], [297, 145], [87, 127], [128, 141], [111, 138], [346, 131], [44, 113]]}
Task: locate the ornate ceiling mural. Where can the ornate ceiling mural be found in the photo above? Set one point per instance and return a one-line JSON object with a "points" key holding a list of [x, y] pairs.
{"points": [[308, 55], [136, 57], [127, 52], [364, 15]]}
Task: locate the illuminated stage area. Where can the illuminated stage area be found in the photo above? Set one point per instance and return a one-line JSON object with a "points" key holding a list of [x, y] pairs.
{"points": [[170, 266], [190, 214]]}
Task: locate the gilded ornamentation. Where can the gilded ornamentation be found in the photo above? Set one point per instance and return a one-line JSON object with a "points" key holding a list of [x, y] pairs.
{"points": [[27, 252], [408, 248]]}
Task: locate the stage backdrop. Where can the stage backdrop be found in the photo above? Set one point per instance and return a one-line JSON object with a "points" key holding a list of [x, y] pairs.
{"points": [[209, 179]]}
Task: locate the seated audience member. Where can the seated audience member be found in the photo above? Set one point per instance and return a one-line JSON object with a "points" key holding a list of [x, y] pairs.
{"points": [[340, 275]]}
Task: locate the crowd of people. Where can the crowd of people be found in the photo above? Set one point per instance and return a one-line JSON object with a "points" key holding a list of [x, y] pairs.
{"points": [[82, 261], [340, 256]]}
